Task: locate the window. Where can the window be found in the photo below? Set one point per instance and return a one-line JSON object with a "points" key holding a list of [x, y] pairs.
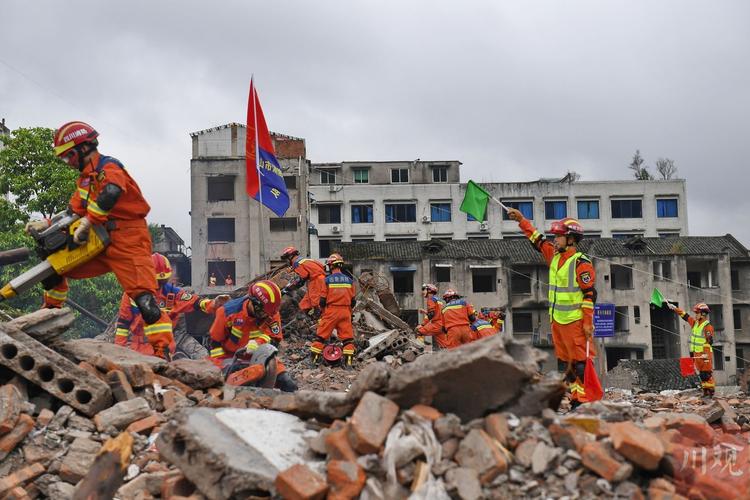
{"points": [[592, 236], [622, 277], [737, 313], [625, 236], [403, 281], [470, 218], [439, 174], [221, 229], [361, 175], [221, 188], [717, 317], [399, 175], [401, 212], [440, 212], [735, 275], [637, 314], [290, 181], [740, 353], [622, 319], [525, 207], [669, 234], [555, 210], [522, 322], [694, 279], [483, 280], [278, 224], [221, 269], [627, 209], [666, 208], [718, 357], [329, 214], [588, 209], [662, 270], [327, 247], [443, 274], [361, 214], [327, 176], [520, 280]]}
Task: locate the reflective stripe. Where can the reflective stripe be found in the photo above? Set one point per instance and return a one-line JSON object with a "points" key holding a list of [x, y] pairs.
{"points": [[348, 349], [587, 305], [237, 332], [83, 193], [204, 304], [457, 306], [96, 209], [122, 332], [55, 294], [565, 296], [316, 350], [339, 285], [64, 147], [257, 334], [534, 236], [216, 352], [157, 328], [698, 338]]}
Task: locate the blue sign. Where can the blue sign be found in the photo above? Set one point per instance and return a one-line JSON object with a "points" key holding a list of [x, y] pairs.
{"points": [[604, 320]]}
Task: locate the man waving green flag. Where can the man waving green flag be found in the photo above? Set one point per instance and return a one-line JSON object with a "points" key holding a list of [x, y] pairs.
{"points": [[657, 298]]}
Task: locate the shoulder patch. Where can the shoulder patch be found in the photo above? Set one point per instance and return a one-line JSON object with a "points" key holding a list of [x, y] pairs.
{"points": [[187, 296], [584, 258], [586, 278], [275, 328]]}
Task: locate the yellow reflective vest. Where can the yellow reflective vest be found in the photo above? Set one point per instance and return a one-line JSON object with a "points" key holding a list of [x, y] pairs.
{"points": [[565, 296], [698, 339]]}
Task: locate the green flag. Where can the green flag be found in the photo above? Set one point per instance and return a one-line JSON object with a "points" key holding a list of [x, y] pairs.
{"points": [[657, 298], [475, 201]]}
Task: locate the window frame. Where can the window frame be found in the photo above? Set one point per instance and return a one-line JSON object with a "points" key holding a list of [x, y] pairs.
{"points": [[519, 205], [370, 212], [213, 181], [581, 216], [442, 174], [550, 204], [328, 172], [480, 270], [215, 239], [660, 202], [360, 170], [401, 274], [629, 200], [328, 206], [282, 224], [434, 209], [400, 171], [396, 220]]}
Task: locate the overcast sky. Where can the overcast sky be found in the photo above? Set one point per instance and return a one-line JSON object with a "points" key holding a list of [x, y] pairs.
{"points": [[515, 90]]}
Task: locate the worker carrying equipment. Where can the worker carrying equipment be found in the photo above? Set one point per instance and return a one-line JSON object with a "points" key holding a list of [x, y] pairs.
{"points": [[701, 344], [336, 304], [249, 322], [458, 315], [571, 295], [308, 271], [432, 324], [108, 208], [172, 299]]}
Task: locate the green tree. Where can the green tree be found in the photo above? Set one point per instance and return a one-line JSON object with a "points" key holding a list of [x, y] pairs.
{"points": [[37, 180], [157, 234], [640, 171]]}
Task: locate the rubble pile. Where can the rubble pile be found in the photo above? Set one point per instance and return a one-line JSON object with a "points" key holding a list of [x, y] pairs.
{"points": [[93, 420]]}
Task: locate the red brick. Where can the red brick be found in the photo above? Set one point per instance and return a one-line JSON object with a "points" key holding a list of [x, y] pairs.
{"points": [[298, 482], [9, 441], [118, 383], [17, 493], [346, 480], [103, 363], [172, 398], [426, 412], [596, 458], [715, 488], [92, 370], [496, 426], [639, 446], [337, 444], [480, 452], [371, 421], [661, 483], [589, 424], [45, 417], [20, 476], [569, 437], [729, 426], [139, 375], [169, 382], [177, 486], [145, 424], [215, 392], [10, 407], [698, 431]]}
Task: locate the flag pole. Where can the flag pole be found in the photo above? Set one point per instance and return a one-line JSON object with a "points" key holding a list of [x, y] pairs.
{"points": [[261, 250], [502, 205]]}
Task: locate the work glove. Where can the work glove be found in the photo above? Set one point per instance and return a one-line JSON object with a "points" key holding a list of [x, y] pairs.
{"points": [[220, 300], [81, 234], [515, 214], [36, 225], [671, 306]]}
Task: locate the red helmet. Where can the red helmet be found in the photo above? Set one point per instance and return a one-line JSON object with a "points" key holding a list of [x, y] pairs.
{"points": [[449, 293], [162, 266], [701, 307], [567, 226], [266, 297], [71, 135], [429, 287], [289, 252], [335, 259]]}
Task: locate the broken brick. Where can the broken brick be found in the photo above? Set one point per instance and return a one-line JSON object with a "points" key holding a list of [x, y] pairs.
{"points": [[78, 460], [92, 370], [337, 444], [698, 431], [729, 426], [10, 407], [20, 476], [139, 375], [176, 486], [118, 383], [17, 493], [639, 446], [168, 382], [9, 441], [570, 437], [480, 452], [298, 482], [496, 426], [122, 414], [371, 421], [426, 412], [172, 398], [145, 424], [45, 417], [346, 480], [596, 458]]}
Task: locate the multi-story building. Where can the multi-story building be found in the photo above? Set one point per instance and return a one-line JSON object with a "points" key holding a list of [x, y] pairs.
{"points": [[419, 200], [167, 242], [511, 274], [232, 234]]}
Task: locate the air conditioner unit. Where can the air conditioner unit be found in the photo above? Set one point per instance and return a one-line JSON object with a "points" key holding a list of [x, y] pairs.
{"points": [[336, 229], [425, 219], [484, 227], [332, 188]]}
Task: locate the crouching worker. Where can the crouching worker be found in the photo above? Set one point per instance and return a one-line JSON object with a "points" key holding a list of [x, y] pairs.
{"points": [[247, 323]]}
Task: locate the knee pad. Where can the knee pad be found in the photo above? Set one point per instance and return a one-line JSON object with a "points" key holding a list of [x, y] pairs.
{"points": [[580, 369], [150, 311], [286, 383], [52, 281]]}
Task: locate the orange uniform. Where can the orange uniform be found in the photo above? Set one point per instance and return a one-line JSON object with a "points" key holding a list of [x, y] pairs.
{"points": [[129, 253], [703, 354], [172, 300], [482, 329], [432, 325], [336, 302], [314, 273], [458, 315], [234, 328]]}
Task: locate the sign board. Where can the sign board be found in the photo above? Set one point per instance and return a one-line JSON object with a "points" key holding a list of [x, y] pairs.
{"points": [[604, 320]]}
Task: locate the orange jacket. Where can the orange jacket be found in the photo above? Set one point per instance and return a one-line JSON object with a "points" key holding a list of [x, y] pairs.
{"points": [[482, 329], [339, 290], [458, 312], [234, 327], [308, 269], [100, 171], [708, 331], [432, 324], [585, 273]]}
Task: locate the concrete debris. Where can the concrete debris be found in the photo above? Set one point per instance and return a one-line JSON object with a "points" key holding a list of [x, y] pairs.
{"points": [[198, 374]]}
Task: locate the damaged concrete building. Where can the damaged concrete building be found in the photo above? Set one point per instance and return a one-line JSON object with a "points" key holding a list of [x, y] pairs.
{"points": [[511, 274]]}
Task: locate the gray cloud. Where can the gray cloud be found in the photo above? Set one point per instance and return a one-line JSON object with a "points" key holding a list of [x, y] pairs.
{"points": [[515, 90]]}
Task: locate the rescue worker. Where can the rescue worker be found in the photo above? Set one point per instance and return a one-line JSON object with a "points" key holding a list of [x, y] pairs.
{"points": [[336, 304], [458, 315], [482, 329], [701, 344], [494, 317], [572, 295], [246, 323], [173, 300], [432, 324], [107, 195], [308, 271]]}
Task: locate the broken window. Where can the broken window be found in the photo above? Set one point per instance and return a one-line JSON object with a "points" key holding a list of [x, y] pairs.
{"points": [[221, 229], [737, 313], [326, 247], [278, 224], [622, 319], [622, 277], [522, 322], [637, 314], [662, 270], [403, 281], [718, 357], [484, 280], [735, 274], [442, 274], [520, 280], [290, 181], [717, 316], [703, 273], [329, 214], [221, 188]]}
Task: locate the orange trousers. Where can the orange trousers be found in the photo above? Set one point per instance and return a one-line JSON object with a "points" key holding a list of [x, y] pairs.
{"points": [[458, 335], [129, 257], [570, 341], [338, 317], [315, 289]]}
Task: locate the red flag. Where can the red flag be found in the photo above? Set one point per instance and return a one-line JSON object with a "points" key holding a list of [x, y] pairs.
{"points": [[687, 367], [591, 386]]}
